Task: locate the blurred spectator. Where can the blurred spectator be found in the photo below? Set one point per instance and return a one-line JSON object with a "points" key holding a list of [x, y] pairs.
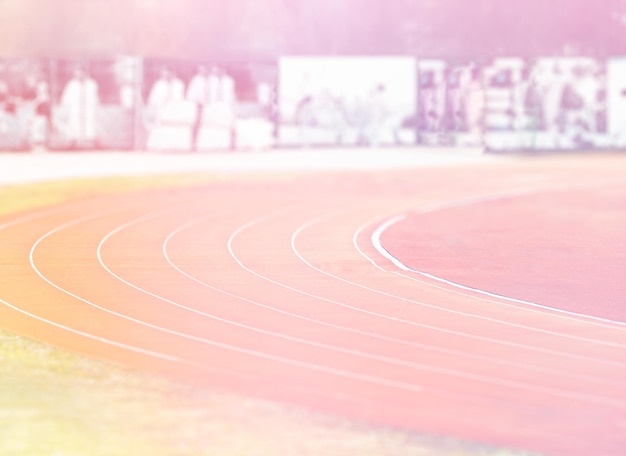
{"points": [[520, 98], [456, 80], [170, 117], [378, 125], [533, 102], [126, 71], [588, 88], [217, 124], [432, 98], [79, 110], [202, 87], [199, 91], [552, 82], [474, 109], [10, 137], [225, 90], [265, 97], [167, 88], [207, 89], [37, 100]]}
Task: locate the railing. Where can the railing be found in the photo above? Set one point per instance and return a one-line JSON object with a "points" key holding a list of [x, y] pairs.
{"points": [[131, 103]]}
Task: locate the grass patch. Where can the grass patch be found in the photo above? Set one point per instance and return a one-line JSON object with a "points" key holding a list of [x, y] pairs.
{"points": [[56, 403], [17, 198], [53, 402]]}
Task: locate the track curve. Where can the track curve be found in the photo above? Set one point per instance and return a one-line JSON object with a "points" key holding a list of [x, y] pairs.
{"points": [[275, 289]]}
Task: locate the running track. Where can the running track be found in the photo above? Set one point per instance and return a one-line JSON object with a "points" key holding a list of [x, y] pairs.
{"points": [[276, 288]]}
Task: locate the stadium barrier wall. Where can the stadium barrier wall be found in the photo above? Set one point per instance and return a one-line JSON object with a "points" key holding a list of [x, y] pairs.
{"points": [[133, 103]]}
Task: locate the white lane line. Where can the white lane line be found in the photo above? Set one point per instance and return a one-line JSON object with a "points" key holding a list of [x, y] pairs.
{"points": [[401, 320], [94, 337], [528, 305], [445, 371], [542, 310], [579, 317], [110, 342], [66, 291], [404, 321], [254, 329], [254, 353], [52, 211], [443, 309], [404, 342], [378, 246]]}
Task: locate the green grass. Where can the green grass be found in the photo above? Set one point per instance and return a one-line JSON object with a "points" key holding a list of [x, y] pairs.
{"points": [[16, 198], [53, 402], [56, 403]]}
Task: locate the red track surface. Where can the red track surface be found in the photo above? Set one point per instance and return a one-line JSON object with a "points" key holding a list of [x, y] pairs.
{"points": [[274, 289], [564, 249]]}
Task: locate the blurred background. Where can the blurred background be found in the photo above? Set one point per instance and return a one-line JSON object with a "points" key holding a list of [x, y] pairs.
{"points": [[202, 75]]}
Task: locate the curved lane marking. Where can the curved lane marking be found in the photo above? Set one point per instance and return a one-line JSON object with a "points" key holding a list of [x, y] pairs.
{"points": [[409, 322], [52, 211], [376, 242], [433, 306], [445, 371], [84, 219], [353, 330], [94, 337], [289, 361], [538, 308]]}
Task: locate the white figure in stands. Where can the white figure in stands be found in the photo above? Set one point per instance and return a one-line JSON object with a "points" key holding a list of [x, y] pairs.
{"points": [[474, 97], [225, 88], [265, 98], [38, 126], [520, 98], [165, 89], [552, 82], [434, 102], [202, 86], [217, 125], [79, 107], [170, 117], [127, 75], [457, 79], [588, 87], [200, 92], [383, 124]]}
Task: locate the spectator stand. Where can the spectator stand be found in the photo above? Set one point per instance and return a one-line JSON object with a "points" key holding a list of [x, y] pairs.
{"points": [[24, 104], [91, 106]]}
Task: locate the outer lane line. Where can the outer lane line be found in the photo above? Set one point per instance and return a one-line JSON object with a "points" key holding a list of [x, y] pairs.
{"points": [[94, 337], [612, 324], [356, 353], [444, 371], [534, 307], [589, 319], [413, 323], [543, 310], [52, 211], [353, 330], [310, 366], [444, 309], [158, 355], [409, 322], [82, 220], [59, 228]]}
